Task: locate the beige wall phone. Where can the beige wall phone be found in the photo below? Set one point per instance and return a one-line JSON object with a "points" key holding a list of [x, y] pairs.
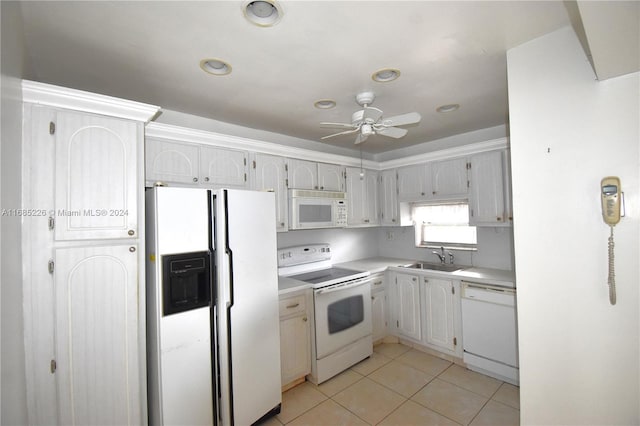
{"points": [[611, 208]]}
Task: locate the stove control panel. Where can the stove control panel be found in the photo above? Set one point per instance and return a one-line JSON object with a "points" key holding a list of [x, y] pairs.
{"points": [[297, 255]]}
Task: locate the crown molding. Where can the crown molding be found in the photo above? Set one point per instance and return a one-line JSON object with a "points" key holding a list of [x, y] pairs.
{"points": [[182, 134], [78, 100], [445, 154]]}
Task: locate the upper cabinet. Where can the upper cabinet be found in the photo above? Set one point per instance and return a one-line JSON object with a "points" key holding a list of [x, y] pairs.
{"points": [[487, 201], [269, 173], [95, 176], [220, 167], [311, 175], [362, 197], [436, 180], [412, 183], [449, 178], [388, 198], [203, 165]]}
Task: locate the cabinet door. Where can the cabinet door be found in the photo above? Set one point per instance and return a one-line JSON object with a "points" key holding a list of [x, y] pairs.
{"points": [[438, 307], [331, 177], [269, 174], [449, 179], [295, 358], [171, 162], [486, 200], [388, 198], [371, 197], [407, 306], [412, 183], [221, 167], [303, 174], [96, 329], [379, 314], [362, 197], [355, 197], [96, 177]]}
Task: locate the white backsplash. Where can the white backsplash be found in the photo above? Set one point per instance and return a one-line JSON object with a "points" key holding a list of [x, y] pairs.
{"points": [[495, 245]]}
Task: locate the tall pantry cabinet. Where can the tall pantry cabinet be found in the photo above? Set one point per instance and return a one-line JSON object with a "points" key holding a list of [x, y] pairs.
{"points": [[83, 210]]}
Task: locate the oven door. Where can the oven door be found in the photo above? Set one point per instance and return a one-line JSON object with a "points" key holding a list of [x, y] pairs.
{"points": [[342, 314]]}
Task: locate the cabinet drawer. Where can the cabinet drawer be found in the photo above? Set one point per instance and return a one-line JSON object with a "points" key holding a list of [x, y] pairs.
{"points": [[293, 305]]}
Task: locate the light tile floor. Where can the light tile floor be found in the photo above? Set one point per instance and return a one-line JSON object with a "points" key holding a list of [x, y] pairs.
{"points": [[399, 385]]}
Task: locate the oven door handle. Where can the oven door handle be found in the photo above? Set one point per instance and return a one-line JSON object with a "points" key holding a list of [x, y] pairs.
{"points": [[344, 286]]}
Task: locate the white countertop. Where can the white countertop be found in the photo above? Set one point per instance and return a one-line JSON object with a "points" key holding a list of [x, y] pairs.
{"points": [[380, 264]]}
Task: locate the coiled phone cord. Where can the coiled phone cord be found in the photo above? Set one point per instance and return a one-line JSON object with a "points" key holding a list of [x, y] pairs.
{"points": [[612, 273]]}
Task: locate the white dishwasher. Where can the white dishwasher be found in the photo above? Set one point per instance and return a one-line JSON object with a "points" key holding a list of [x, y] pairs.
{"points": [[489, 330]]}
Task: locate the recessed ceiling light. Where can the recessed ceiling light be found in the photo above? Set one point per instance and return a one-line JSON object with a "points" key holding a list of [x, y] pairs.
{"points": [[215, 66], [448, 108], [264, 13], [385, 75], [324, 104]]}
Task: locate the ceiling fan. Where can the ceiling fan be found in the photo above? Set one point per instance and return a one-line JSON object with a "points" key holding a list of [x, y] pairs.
{"points": [[369, 121]]}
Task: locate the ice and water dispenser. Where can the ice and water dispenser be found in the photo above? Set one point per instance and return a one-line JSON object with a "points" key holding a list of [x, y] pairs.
{"points": [[186, 282]]}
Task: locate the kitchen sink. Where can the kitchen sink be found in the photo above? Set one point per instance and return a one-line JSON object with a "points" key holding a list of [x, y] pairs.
{"points": [[434, 266]]}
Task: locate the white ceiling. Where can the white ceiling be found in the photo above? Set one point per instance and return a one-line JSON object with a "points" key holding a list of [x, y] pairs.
{"points": [[447, 52]]}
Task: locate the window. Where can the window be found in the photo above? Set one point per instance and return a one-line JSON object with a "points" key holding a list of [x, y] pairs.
{"points": [[443, 225]]}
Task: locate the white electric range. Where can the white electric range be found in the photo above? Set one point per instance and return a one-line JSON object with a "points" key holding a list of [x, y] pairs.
{"points": [[342, 308]]}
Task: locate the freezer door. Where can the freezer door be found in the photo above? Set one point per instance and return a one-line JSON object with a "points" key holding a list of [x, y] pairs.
{"points": [[248, 324]]}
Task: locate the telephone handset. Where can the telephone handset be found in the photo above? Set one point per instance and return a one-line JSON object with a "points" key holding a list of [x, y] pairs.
{"points": [[611, 200]]}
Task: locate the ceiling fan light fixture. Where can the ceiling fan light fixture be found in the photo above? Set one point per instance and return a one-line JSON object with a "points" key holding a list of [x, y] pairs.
{"points": [[385, 75], [324, 104], [443, 109], [263, 13], [215, 66]]}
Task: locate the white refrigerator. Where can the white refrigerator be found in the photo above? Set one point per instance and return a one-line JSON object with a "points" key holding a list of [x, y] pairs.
{"points": [[213, 340]]}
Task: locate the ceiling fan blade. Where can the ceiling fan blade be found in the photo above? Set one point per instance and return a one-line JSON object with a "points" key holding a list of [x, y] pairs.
{"points": [[338, 125], [361, 138], [402, 120], [392, 132], [346, 132], [371, 114]]}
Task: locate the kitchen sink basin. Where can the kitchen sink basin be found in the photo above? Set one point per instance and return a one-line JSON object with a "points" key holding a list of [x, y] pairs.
{"points": [[434, 266]]}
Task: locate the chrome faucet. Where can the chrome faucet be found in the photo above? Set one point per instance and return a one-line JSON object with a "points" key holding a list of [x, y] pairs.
{"points": [[440, 255], [450, 257]]}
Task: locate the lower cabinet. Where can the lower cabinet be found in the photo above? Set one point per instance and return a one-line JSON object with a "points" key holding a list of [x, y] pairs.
{"points": [[378, 306], [295, 339], [406, 312], [97, 361], [426, 310], [438, 309]]}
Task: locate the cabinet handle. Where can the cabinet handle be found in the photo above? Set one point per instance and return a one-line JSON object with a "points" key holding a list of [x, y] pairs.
{"points": [[131, 232], [281, 223], [422, 193], [499, 219], [315, 187], [322, 187], [377, 283], [304, 318], [132, 249], [393, 220], [434, 192], [295, 305], [206, 179], [195, 179], [413, 279]]}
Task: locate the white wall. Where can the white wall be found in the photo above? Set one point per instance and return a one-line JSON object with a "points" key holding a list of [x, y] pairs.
{"points": [[13, 397], [579, 356], [495, 247], [346, 244]]}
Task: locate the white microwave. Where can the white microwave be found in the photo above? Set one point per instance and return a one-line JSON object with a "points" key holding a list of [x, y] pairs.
{"points": [[310, 209]]}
